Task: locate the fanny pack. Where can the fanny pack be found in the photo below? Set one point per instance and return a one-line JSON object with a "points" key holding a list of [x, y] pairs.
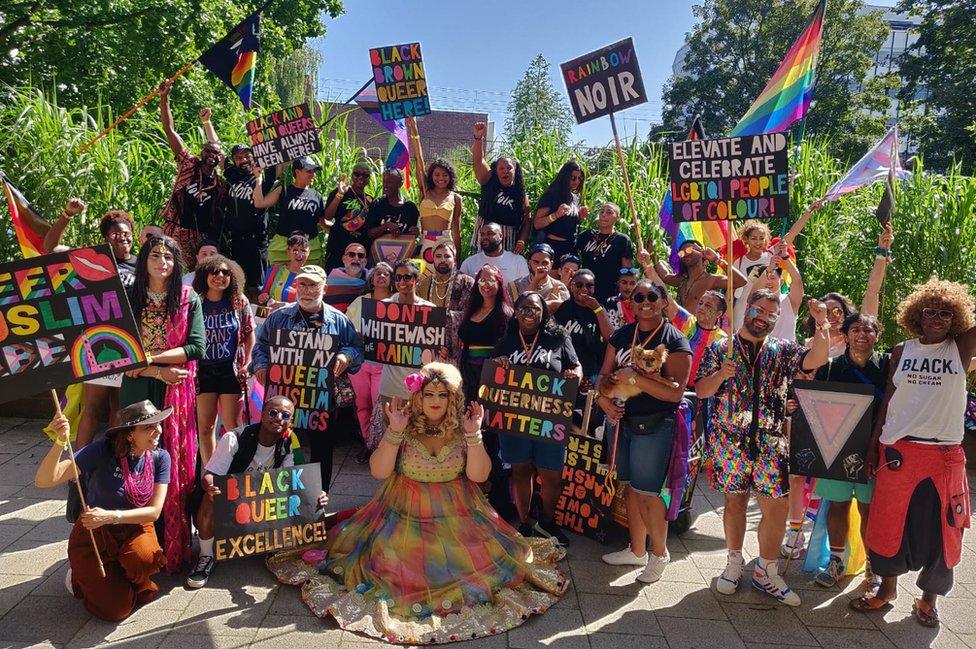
{"points": [[646, 424]]}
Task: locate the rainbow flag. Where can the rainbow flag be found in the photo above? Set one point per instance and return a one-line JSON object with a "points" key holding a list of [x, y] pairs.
{"points": [[28, 226], [787, 96], [234, 58], [398, 153]]}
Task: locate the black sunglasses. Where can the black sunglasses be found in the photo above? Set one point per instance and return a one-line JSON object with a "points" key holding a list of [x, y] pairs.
{"points": [[361, 174], [220, 271], [356, 255], [404, 278], [638, 298]]}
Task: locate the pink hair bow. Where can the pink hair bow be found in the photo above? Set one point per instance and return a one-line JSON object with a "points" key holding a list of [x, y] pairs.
{"points": [[414, 382]]}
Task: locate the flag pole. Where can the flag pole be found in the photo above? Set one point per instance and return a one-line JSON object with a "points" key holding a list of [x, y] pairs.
{"points": [[630, 195], [81, 493]]}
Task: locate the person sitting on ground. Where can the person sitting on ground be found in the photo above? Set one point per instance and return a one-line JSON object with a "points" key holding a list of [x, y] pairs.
{"points": [[127, 477], [248, 449]]}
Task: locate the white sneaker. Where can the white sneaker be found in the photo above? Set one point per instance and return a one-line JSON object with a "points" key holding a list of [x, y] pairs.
{"points": [[729, 580], [625, 557], [67, 582], [655, 567], [793, 544], [770, 582]]}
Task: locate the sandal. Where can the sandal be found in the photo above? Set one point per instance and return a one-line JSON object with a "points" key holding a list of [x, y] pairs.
{"points": [[926, 614], [868, 604]]}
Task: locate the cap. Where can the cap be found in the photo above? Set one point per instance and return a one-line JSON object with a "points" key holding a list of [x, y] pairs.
{"points": [[238, 148], [312, 272], [141, 413], [570, 258], [542, 247], [307, 163]]}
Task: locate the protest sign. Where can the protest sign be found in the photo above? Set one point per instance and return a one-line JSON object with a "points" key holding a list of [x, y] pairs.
{"points": [[584, 504], [401, 83], [64, 318], [730, 178], [283, 136], [301, 369], [604, 82], [409, 335], [267, 511], [831, 430], [527, 402]]}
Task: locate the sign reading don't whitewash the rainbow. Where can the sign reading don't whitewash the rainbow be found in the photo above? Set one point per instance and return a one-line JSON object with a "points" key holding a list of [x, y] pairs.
{"points": [[64, 318]]}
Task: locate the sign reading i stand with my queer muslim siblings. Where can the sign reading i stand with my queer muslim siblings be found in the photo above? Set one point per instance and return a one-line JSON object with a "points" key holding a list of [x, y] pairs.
{"points": [[527, 402], [605, 81], [301, 369], [409, 335], [400, 80], [64, 318], [283, 136], [267, 511], [730, 178]]}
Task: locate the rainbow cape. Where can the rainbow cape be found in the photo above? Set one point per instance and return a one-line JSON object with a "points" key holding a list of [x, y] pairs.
{"points": [[28, 226], [234, 58], [788, 94]]}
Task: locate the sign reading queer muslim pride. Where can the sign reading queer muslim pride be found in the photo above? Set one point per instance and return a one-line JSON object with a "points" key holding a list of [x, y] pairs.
{"points": [[400, 80], [267, 511], [605, 81], [584, 504], [301, 369], [527, 402], [409, 335], [283, 136], [730, 178], [64, 318]]}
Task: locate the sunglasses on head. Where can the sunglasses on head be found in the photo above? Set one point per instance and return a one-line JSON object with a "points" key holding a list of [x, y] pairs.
{"points": [[220, 272], [628, 271], [283, 414], [942, 314], [356, 255], [361, 174], [405, 278], [639, 298]]}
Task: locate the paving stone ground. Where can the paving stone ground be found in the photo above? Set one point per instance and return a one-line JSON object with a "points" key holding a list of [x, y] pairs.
{"points": [[605, 608]]}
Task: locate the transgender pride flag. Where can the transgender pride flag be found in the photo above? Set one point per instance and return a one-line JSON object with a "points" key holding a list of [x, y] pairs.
{"points": [[875, 166]]}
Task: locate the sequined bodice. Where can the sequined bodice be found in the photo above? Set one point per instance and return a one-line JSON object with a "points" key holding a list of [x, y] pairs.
{"points": [[416, 462]]}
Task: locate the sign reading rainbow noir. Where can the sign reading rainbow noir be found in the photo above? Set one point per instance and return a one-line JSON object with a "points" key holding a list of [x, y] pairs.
{"points": [[64, 318], [409, 335], [526, 402], [301, 369], [605, 81], [730, 178], [283, 136], [267, 511], [400, 80]]}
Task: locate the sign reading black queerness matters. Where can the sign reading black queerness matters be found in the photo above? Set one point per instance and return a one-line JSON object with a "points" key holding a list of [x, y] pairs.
{"points": [[301, 369], [409, 335], [267, 511], [64, 318], [730, 178], [605, 81], [283, 136], [527, 402], [400, 81], [584, 504], [831, 430]]}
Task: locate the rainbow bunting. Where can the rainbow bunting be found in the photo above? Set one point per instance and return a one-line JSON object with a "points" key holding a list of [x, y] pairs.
{"points": [[787, 96], [398, 153], [28, 226], [234, 58]]}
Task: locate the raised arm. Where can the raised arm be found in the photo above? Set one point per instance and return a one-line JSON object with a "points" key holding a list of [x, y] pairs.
{"points": [[208, 129], [52, 240], [481, 171], [802, 221], [719, 282], [796, 286], [666, 275], [416, 154], [176, 144], [872, 295], [333, 206], [261, 201]]}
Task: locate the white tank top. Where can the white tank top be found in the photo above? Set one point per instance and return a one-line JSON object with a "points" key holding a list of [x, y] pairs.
{"points": [[930, 400]]}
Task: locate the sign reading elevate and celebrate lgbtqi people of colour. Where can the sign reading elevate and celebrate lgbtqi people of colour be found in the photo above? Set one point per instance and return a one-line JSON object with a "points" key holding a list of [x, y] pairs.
{"points": [[605, 81], [283, 136], [409, 335], [730, 178], [401, 83], [267, 511], [301, 369], [64, 318], [527, 402], [584, 504]]}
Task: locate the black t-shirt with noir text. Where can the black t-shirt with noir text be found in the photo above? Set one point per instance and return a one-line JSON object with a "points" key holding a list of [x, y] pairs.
{"points": [[300, 209], [584, 330], [243, 219], [604, 255], [552, 351], [673, 340], [502, 205]]}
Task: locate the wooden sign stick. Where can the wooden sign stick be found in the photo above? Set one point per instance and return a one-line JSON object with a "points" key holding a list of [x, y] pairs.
{"points": [[587, 412], [630, 195], [81, 493]]}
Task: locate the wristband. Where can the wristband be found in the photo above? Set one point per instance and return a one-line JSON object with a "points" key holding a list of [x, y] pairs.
{"points": [[473, 440], [149, 359], [479, 139], [118, 518], [882, 252], [597, 310]]}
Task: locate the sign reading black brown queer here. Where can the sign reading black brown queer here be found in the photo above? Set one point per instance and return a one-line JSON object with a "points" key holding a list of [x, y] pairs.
{"points": [[730, 178], [527, 402], [605, 81]]}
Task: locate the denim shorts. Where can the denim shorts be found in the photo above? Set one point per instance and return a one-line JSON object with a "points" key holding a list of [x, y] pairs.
{"points": [[522, 450], [643, 460]]}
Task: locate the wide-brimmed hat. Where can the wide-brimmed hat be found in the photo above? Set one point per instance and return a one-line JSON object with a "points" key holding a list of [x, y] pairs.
{"points": [[141, 413]]}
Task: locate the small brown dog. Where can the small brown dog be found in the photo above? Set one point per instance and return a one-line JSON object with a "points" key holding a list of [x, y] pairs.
{"points": [[647, 363]]}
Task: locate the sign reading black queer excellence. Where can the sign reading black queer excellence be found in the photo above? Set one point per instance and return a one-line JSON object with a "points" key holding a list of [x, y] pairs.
{"points": [[730, 178], [605, 81]]}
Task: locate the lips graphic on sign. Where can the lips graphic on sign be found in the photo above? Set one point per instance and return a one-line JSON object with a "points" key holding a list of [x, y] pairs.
{"points": [[91, 265]]}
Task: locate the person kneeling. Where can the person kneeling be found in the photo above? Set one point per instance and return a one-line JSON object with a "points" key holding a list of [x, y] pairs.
{"points": [[257, 447], [127, 475]]}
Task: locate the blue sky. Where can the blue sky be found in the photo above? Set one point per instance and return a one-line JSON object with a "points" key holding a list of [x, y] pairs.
{"points": [[475, 53]]}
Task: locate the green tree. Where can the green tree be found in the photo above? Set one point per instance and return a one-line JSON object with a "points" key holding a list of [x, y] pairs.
{"points": [[536, 107], [736, 46], [938, 71], [294, 76]]}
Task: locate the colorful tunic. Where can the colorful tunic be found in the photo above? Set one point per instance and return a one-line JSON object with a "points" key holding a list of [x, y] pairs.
{"points": [[278, 283]]}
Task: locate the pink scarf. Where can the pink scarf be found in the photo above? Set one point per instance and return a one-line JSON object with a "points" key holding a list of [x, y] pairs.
{"points": [[180, 439]]}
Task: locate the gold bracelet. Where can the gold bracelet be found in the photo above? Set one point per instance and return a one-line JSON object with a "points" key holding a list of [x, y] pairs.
{"points": [[474, 440], [393, 437]]}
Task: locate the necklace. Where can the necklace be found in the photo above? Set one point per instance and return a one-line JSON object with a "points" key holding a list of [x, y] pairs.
{"points": [[527, 348], [633, 342], [432, 431], [434, 283], [158, 298], [138, 487]]}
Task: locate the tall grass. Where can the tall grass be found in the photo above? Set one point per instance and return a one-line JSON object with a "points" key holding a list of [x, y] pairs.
{"points": [[133, 169]]}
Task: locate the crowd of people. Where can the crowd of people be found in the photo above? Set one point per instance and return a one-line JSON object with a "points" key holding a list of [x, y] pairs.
{"points": [[453, 545]]}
